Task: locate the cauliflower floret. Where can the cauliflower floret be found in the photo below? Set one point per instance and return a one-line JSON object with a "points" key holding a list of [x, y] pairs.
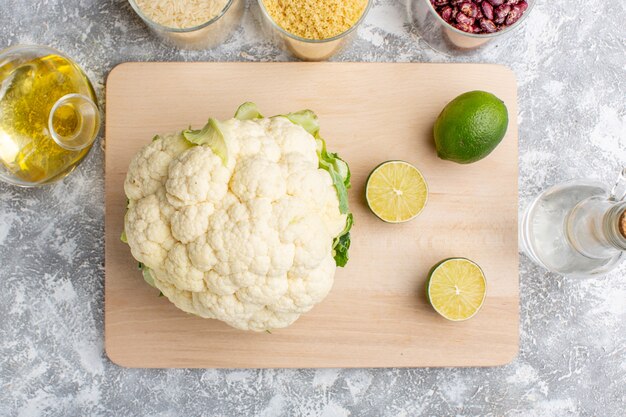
{"points": [[149, 167], [148, 219], [292, 138], [197, 176], [258, 178], [180, 271], [306, 288], [310, 185], [335, 224], [191, 222], [248, 240]]}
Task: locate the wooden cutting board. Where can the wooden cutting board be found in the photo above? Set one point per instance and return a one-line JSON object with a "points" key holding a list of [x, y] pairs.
{"points": [[376, 314]]}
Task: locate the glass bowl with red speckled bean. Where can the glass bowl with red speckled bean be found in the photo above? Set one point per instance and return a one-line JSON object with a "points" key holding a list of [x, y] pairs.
{"points": [[303, 48], [457, 27]]}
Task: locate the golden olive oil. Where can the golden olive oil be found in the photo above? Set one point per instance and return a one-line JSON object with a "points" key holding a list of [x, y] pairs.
{"points": [[29, 89]]}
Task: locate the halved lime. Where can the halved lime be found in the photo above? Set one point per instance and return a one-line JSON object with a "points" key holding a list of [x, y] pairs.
{"points": [[396, 191], [456, 288]]}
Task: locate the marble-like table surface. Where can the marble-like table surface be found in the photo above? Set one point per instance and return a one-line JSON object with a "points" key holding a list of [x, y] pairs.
{"points": [[570, 61]]}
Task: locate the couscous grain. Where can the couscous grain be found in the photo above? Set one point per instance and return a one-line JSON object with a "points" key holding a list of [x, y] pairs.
{"points": [[315, 19]]}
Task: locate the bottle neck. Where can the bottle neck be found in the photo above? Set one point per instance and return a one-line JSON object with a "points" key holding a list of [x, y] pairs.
{"points": [[594, 228], [615, 226], [74, 122]]}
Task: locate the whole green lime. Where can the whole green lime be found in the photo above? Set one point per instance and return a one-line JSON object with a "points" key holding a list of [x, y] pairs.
{"points": [[470, 127]]}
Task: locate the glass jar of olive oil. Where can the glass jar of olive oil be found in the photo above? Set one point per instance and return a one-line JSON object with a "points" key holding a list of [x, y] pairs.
{"points": [[49, 118]]}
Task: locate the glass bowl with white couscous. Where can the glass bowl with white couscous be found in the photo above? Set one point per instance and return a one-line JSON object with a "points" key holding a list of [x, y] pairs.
{"points": [[190, 24]]}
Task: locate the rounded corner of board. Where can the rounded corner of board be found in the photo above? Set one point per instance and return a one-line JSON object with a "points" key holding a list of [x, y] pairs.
{"points": [[117, 71], [508, 357], [114, 356]]}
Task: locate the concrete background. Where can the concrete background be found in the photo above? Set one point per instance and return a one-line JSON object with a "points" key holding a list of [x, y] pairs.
{"points": [[570, 60]]}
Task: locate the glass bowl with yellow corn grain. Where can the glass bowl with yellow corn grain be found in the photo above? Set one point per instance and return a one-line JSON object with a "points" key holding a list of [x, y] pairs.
{"points": [[190, 24], [312, 30]]}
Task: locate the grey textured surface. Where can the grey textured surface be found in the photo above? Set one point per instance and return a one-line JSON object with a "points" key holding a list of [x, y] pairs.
{"points": [[570, 59]]}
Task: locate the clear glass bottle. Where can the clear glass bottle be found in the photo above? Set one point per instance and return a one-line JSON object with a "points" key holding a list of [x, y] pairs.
{"points": [[577, 228], [49, 117]]}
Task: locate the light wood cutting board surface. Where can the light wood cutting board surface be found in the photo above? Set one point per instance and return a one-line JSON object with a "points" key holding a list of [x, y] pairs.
{"points": [[376, 314]]}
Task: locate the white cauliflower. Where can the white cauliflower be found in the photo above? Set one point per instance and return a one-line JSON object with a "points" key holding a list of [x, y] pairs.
{"points": [[243, 221]]}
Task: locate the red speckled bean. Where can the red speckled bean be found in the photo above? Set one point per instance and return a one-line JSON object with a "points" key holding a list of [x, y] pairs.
{"points": [[501, 13], [464, 27], [488, 26], [469, 9], [480, 16], [513, 15], [463, 18], [487, 10]]}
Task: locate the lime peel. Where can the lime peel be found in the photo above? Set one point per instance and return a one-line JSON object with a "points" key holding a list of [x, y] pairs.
{"points": [[470, 127]]}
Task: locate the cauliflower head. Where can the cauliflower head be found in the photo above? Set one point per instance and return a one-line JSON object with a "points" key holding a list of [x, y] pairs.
{"points": [[243, 221]]}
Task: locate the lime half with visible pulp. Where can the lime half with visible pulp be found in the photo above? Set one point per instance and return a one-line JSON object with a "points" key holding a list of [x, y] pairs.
{"points": [[396, 191], [456, 288]]}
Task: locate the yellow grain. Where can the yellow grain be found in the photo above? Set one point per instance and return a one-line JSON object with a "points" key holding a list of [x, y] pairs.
{"points": [[315, 19]]}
